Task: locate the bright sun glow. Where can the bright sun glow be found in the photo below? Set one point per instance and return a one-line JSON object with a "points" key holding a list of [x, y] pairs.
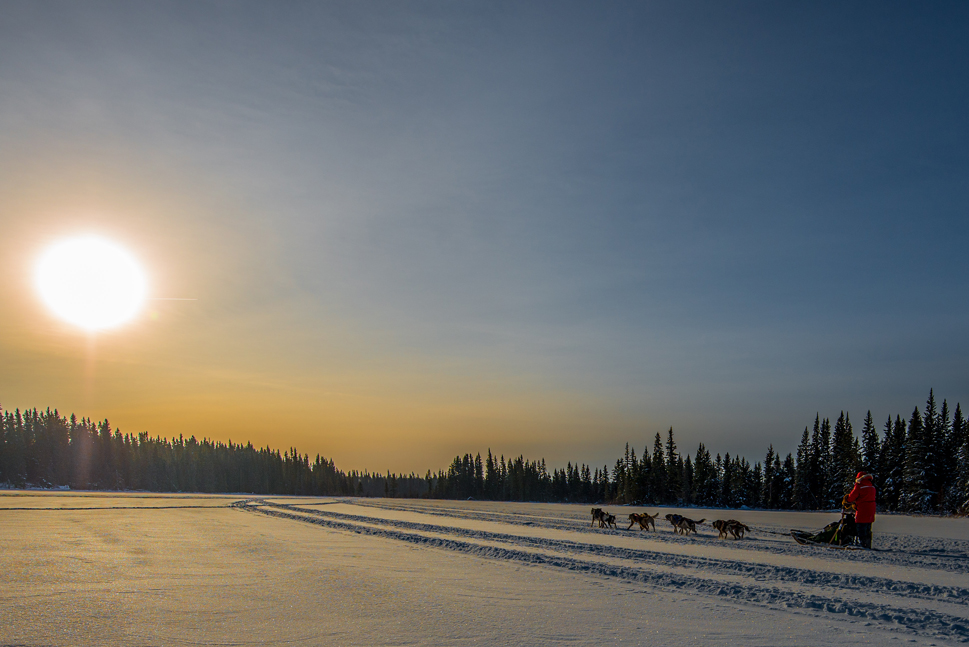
{"points": [[91, 282]]}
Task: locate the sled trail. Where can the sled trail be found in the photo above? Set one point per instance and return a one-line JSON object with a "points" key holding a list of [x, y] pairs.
{"points": [[895, 590]]}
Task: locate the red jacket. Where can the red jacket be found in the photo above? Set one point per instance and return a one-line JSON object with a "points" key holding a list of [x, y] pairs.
{"points": [[863, 496]]}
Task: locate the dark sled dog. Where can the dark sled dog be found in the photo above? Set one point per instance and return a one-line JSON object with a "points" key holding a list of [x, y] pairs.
{"points": [[600, 516], [644, 520], [604, 518], [682, 525]]}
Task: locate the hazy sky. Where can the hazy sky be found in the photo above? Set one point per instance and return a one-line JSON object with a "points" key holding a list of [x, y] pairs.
{"points": [[416, 229]]}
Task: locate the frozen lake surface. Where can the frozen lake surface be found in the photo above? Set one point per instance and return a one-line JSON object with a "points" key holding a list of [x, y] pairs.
{"points": [[152, 569]]}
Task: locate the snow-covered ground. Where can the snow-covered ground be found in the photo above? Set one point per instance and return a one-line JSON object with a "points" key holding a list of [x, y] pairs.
{"points": [[146, 569]]}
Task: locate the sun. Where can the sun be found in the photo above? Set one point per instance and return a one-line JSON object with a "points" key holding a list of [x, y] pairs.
{"points": [[91, 282]]}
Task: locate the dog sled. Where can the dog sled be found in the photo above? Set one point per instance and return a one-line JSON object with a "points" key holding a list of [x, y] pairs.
{"points": [[841, 534]]}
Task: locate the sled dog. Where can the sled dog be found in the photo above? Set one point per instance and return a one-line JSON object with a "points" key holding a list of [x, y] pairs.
{"points": [[736, 528], [598, 515], [721, 527], [644, 520], [682, 525]]}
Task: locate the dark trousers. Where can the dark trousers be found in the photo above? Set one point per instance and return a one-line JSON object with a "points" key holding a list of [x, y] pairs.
{"points": [[864, 534]]}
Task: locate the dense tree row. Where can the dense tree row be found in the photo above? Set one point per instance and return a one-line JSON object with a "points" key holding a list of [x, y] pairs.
{"points": [[46, 449], [920, 465]]}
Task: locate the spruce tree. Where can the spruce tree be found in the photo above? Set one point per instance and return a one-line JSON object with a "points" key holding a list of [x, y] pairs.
{"points": [[673, 476], [892, 462], [767, 495], [916, 497], [949, 454], [3, 451], [820, 461], [686, 480], [786, 476], [871, 450], [961, 491], [957, 492], [633, 494], [645, 476], [933, 461], [959, 431], [489, 476], [842, 459], [704, 478], [754, 482], [801, 496], [479, 483], [660, 486], [726, 482]]}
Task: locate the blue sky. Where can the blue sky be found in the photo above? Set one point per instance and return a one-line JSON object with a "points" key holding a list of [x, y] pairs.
{"points": [[546, 228]]}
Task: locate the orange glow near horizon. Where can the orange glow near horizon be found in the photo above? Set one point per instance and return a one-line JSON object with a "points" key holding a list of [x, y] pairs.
{"points": [[254, 357]]}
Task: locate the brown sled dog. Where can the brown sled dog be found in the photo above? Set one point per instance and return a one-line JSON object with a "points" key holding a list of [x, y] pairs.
{"points": [[644, 520], [730, 526], [682, 525], [736, 528]]}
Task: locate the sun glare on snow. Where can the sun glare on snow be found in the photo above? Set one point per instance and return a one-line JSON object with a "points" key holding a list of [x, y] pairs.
{"points": [[91, 282]]}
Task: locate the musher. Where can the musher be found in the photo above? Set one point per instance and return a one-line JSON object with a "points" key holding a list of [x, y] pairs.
{"points": [[863, 496]]}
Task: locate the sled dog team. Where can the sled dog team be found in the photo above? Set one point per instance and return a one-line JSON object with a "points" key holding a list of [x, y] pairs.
{"points": [[681, 525]]}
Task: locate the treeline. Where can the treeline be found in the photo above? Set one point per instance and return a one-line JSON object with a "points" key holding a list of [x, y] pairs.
{"points": [[48, 450], [920, 464]]}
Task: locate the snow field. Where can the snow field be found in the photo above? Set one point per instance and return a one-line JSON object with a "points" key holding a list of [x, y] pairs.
{"points": [[146, 569]]}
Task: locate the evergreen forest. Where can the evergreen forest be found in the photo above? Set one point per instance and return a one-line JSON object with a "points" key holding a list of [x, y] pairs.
{"points": [[920, 464]]}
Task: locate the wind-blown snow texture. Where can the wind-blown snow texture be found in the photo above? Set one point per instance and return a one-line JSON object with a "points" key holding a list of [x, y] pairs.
{"points": [[155, 569]]}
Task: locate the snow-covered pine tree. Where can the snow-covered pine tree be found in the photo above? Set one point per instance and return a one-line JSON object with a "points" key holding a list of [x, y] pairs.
{"points": [[948, 455], [776, 488], [916, 497], [934, 461], [962, 491], [827, 471], [892, 461], [786, 478], [633, 495], [960, 432], [957, 490]]}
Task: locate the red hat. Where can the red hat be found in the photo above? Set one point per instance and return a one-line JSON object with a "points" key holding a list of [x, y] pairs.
{"points": [[862, 475]]}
